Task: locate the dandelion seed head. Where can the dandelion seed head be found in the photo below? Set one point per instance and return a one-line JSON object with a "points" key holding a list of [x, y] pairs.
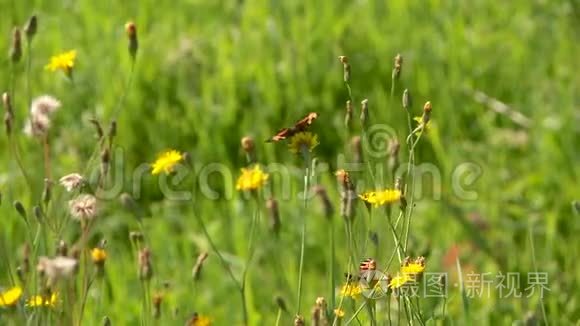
{"points": [[71, 181], [84, 207]]}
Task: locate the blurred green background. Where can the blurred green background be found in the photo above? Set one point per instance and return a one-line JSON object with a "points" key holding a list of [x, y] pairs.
{"points": [[210, 72]]}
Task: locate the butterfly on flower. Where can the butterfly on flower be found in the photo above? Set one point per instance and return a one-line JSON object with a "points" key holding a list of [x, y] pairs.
{"points": [[300, 126], [367, 268]]}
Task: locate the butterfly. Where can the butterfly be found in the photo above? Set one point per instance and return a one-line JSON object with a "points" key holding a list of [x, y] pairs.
{"points": [[366, 271], [299, 126]]}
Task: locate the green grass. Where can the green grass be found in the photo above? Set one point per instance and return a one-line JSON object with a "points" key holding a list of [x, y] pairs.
{"points": [[210, 72]]}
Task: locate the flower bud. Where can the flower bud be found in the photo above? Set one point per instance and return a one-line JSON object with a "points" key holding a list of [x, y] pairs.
{"points": [[31, 27], [407, 102], [16, 47], [131, 30]]}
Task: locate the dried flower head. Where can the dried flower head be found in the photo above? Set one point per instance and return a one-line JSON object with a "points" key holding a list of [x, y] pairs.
{"points": [[16, 47], [196, 272], [299, 321], [345, 68], [397, 67], [364, 112], [83, 208], [57, 268], [407, 100], [274, 215], [251, 179], [145, 266], [326, 203], [40, 115], [348, 115], [71, 181], [166, 162]]}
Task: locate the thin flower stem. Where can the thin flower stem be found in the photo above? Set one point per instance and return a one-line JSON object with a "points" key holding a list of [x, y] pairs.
{"points": [[46, 152], [389, 310], [278, 316], [28, 65], [400, 250], [357, 312], [123, 97], [411, 175], [248, 261], [332, 276], [214, 248], [531, 238], [303, 238]]}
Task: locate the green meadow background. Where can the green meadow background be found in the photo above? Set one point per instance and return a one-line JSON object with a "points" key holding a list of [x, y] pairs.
{"points": [[210, 72]]}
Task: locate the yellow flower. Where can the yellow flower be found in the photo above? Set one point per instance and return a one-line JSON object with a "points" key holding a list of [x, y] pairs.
{"points": [[339, 312], [10, 297], [39, 301], [98, 255], [251, 179], [303, 141], [64, 61], [413, 269], [422, 124], [351, 290], [166, 162], [399, 281], [198, 320], [378, 198]]}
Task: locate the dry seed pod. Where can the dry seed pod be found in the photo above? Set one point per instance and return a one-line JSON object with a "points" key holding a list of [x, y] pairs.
{"points": [[16, 47], [31, 27]]}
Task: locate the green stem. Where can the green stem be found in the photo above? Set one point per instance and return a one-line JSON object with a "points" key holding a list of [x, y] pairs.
{"points": [[278, 317], [214, 248], [332, 276], [303, 237], [543, 307]]}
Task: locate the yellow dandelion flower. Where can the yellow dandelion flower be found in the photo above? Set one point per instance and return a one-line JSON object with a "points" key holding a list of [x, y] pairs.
{"points": [[422, 125], [351, 290], [379, 198], [339, 312], [39, 301], [413, 269], [399, 281], [166, 162], [98, 255], [252, 179], [303, 141], [64, 61], [10, 297], [198, 320]]}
